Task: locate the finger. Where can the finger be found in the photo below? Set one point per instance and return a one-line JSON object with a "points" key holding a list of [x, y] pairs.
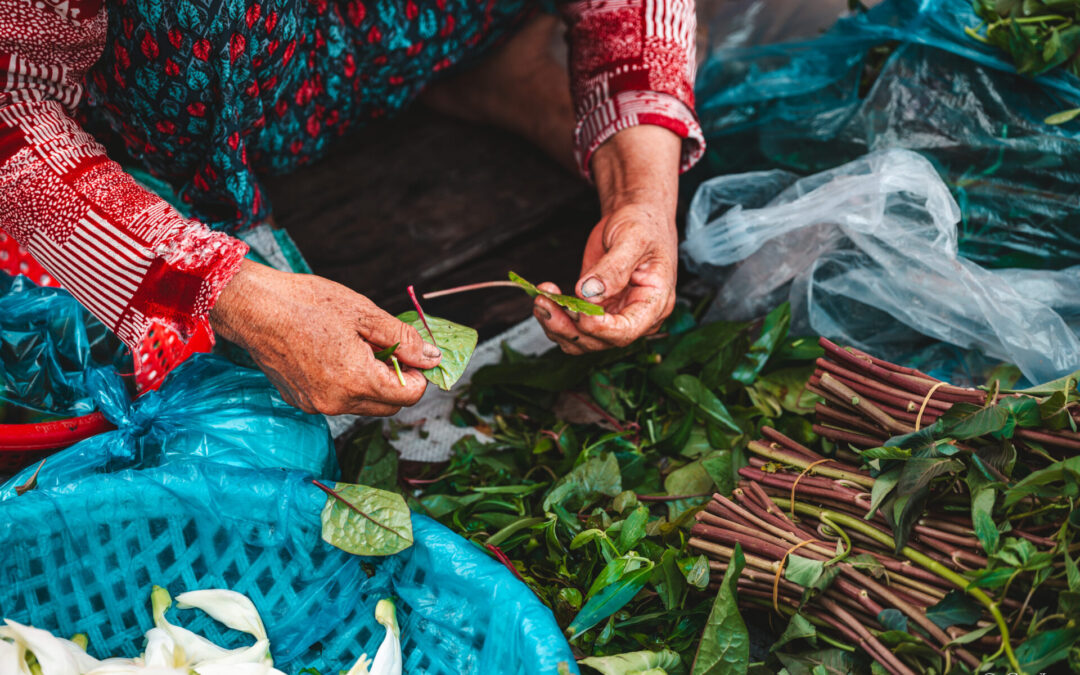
{"points": [[381, 329], [638, 318], [562, 330], [373, 409], [385, 387], [611, 274]]}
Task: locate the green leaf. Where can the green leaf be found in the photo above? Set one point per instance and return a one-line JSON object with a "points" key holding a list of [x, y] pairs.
{"points": [[384, 354], [773, 331], [696, 571], [956, 608], [1066, 383], [669, 580], [720, 467], [892, 619], [1046, 648], [983, 496], [883, 487], [964, 421], [798, 628], [566, 301], [690, 389], [725, 643], [632, 663], [365, 521], [610, 600], [615, 570], [692, 479], [821, 662], [886, 452], [992, 578], [1062, 117], [1054, 473], [370, 460], [456, 342], [587, 482], [633, 529], [803, 571]]}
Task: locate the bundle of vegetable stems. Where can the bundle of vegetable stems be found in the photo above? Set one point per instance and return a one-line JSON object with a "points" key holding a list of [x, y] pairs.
{"points": [[812, 548]]}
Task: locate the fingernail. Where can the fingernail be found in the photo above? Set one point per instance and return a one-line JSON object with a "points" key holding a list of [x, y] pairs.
{"points": [[431, 351], [542, 313], [592, 287]]}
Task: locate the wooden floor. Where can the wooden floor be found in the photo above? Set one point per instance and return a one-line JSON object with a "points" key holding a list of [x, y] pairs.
{"points": [[434, 202]]}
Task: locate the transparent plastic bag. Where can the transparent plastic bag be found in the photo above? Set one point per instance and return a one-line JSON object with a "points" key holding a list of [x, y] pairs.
{"points": [[868, 255], [905, 75], [207, 409]]}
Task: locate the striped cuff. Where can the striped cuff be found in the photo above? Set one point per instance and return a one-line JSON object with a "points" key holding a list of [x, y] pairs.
{"points": [[630, 108]]}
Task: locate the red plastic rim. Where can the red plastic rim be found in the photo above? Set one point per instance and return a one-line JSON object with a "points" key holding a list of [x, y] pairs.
{"points": [[51, 435]]}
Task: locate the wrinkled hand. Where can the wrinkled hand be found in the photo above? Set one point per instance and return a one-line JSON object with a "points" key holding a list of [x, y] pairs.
{"points": [[315, 340], [631, 258], [629, 269]]}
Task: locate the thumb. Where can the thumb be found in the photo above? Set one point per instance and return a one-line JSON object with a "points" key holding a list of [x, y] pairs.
{"points": [[384, 330], [611, 274]]}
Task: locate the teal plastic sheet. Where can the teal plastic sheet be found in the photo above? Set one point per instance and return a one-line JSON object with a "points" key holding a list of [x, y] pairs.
{"points": [[905, 75]]}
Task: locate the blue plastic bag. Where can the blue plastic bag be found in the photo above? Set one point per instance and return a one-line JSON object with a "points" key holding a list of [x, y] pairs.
{"points": [[207, 408], [83, 557], [905, 75], [49, 346]]}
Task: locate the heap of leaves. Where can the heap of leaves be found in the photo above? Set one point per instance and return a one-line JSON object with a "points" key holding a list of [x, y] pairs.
{"points": [[1038, 36], [597, 467]]}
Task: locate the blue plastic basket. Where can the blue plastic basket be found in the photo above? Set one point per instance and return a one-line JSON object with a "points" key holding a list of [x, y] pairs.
{"points": [[81, 558]]}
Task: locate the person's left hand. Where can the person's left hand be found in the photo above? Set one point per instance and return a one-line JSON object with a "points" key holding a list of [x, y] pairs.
{"points": [[631, 259], [629, 269]]}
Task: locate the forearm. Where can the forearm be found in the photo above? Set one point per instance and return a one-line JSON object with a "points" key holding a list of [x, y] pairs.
{"points": [[639, 165]]}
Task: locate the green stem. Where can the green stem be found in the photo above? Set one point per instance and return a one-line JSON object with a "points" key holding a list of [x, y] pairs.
{"points": [[792, 459], [843, 535], [918, 558]]}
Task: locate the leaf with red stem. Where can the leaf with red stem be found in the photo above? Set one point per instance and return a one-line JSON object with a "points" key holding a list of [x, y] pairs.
{"points": [[365, 521]]}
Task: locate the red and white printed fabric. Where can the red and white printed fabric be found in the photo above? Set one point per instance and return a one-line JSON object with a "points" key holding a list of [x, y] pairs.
{"points": [[633, 62], [123, 252]]}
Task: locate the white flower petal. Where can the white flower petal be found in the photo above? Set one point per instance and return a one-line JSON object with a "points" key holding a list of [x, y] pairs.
{"points": [[388, 658], [161, 650], [51, 653], [237, 669], [13, 659], [361, 666], [233, 609]]}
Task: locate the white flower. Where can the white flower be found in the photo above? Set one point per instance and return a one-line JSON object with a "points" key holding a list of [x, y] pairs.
{"points": [[388, 658], [233, 609]]}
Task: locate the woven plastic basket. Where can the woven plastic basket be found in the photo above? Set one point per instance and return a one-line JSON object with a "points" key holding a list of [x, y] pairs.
{"points": [[83, 559]]}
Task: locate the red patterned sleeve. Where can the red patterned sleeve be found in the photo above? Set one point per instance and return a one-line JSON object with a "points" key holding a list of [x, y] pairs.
{"points": [[632, 62], [124, 253]]}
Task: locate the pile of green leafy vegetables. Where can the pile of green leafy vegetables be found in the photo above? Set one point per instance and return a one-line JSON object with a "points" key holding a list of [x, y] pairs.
{"points": [[597, 465]]}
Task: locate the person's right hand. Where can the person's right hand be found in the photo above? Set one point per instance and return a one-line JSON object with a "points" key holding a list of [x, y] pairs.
{"points": [[315, 339]]}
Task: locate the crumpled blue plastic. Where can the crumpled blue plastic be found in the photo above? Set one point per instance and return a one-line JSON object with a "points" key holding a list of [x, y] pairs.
{"points": [[804, 106], [207, 408], [82, 557], [49, 346]]}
